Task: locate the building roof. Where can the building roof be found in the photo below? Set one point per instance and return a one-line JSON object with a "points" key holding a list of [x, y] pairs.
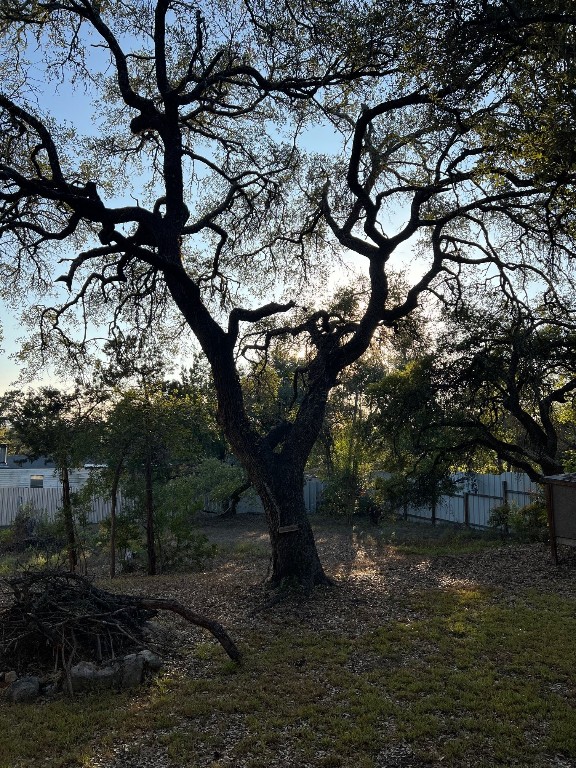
{"points": [[567, 477], [20, 461]]}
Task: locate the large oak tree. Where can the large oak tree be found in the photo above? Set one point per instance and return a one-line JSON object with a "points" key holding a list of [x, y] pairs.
{"points": [[197, 188]]}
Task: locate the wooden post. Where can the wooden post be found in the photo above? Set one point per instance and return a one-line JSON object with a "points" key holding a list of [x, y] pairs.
{"points": [[505, 491], [466, 509], [551, 525]]}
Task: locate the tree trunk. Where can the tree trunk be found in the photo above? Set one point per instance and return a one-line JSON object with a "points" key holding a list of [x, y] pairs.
{"points": [[68, 518], [150, 542], [113, 507], [295, 558], [277, 475]]}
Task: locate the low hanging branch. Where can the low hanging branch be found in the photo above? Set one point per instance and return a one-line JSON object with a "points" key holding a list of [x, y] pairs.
{"points": [[214, 627], [57, 617]]}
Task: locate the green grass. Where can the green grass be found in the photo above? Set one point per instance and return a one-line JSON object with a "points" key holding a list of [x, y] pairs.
{"points": [[471, 679], [435, 541]]}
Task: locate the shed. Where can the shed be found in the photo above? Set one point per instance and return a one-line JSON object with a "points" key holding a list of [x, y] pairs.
{"points": [[561, 507]]}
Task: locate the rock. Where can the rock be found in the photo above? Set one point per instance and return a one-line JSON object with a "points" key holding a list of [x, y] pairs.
{"points": [[132, 671], [86, 676], [24, 689], [152, 661]]}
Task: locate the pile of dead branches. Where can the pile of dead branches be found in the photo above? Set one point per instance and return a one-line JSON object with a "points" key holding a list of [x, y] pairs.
{"points": [[59, 618]]}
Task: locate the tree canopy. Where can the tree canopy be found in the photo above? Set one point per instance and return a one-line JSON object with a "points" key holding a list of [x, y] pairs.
{"points": [[198, 188]]}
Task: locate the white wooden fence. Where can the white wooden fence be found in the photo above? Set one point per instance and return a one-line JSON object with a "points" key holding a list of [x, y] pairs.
{"points": [[471, 505], [477, 496], [44, 502]]}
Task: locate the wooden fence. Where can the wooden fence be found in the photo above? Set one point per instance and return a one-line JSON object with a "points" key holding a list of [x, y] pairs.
{"points": [[44, 502], [471, 504], [477, 495]]}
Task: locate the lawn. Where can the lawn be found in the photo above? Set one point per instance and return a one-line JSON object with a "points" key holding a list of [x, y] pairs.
{"points": [[432, 648]]}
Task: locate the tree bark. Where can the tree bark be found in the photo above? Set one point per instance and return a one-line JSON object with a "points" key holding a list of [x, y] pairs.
{"points": [[113, 508], [149, 497], [274, 464], [68, 518], [295, 559]]}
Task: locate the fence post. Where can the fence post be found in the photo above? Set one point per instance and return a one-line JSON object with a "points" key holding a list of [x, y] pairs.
{"points": [[551, 522], [466, 509], [505, 491]]}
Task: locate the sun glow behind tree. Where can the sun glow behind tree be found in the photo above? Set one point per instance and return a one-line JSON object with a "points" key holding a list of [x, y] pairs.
{"points": [[237, 225]]}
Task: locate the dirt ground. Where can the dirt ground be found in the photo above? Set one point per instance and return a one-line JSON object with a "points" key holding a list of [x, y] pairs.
{"points": [[371, 576]]}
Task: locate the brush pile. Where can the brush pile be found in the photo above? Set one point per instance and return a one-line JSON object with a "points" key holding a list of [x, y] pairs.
{"points": [[59, 618]]}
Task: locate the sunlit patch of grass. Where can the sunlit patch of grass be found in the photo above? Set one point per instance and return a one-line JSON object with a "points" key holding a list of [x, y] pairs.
{"points": [[29, 559], [466, 681], [248, 548]]}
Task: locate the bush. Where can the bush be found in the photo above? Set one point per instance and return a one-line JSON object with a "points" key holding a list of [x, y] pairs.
{"points": [[24, 526], [192, 551], [340, 496], [30, 528], [344, 496], [128, 539], [528, 523], [5, 539]]}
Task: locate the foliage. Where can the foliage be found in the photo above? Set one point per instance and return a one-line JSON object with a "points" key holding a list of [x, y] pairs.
{"points": [[178, 500], [340, 496], [506, 376], [152, 435], [186, 550], [23, 528], [416, 455], [128, 537], [198, 189], [64, 428], [528, 523], [51, 423], [344, 495]]}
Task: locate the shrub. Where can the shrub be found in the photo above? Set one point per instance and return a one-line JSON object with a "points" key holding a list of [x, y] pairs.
{"points": [[528, 523], [24, 526], [193, 551], [340, 495], [128, 539]]}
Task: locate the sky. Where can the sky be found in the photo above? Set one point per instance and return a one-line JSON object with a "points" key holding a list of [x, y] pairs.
{"points": [[66, 104]]}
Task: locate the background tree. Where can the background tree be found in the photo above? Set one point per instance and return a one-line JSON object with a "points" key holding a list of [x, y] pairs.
{"points": [[417, 450], [506, 375], [435, 125], [156, 428], [152, 435], [497, 386], [62, 427]]}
